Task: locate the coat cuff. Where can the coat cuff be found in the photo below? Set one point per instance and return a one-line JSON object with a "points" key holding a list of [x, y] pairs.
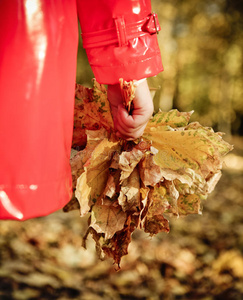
{"points": [[128, 70], [128, 51]]}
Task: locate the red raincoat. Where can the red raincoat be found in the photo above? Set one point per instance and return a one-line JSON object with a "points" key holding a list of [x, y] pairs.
{"points": [[38, 48]]}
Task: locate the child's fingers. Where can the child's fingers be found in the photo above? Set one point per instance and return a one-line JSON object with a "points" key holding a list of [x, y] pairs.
{"points": [[131, 121], [129, 127], [131, 136]]}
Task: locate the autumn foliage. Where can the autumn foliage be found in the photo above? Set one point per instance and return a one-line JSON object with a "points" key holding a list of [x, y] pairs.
{"points": [[138, 184]]}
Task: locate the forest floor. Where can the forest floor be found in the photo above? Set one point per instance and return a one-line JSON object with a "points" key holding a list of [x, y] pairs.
{"points": [[201, 257]]}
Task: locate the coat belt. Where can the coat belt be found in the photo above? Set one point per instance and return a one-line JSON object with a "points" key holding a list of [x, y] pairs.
{"points": [[121, 33]]}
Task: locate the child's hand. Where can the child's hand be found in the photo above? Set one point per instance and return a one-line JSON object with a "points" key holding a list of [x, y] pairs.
{"points": [[127, 126]]}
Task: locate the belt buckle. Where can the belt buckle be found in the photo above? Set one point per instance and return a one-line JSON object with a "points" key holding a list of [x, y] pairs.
{"points": [[152, 25]]}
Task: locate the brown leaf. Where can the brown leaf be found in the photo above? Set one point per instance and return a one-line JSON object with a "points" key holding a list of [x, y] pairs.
{"points": [[128, 160], [73, 204], [129, 197], [154, 220], [150, 173], [156, 224], [77, 167], [117, 247], [91, 111], [107, 219], [112, 186]]}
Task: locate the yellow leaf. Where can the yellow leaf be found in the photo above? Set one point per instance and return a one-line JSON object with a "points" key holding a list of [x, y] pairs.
{"points": [[78, 160], [173, 119], [159, 203], [197, 149], [82, 193], [189, 204], [92, 182], [171, 196]]}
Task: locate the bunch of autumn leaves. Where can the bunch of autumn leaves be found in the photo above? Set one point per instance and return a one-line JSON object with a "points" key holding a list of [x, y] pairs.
{"points": [[127, 185]]}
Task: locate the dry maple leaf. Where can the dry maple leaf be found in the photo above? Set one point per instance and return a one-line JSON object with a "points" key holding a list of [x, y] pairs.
{"points": [[91, 111], [137, 184]]}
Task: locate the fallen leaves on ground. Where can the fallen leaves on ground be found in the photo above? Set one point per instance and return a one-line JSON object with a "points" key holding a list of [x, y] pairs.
{"points": [[139, 184], [200, 259]]}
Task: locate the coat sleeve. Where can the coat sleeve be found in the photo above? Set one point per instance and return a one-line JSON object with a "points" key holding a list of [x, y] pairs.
{"points": [[120, 39]]}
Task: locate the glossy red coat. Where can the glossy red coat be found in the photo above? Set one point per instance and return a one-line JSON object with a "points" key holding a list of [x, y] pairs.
{"points": [[38, 49]]}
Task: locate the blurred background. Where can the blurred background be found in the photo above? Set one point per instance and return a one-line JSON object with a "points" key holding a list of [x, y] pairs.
{"points": [[201, 44]]}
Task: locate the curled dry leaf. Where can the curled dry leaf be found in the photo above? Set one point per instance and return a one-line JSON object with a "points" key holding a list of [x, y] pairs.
{"points": [[128, 93], [128, 160], [107, 218], [92, 182], [129, 197], [138, 184], [150, 173]]}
